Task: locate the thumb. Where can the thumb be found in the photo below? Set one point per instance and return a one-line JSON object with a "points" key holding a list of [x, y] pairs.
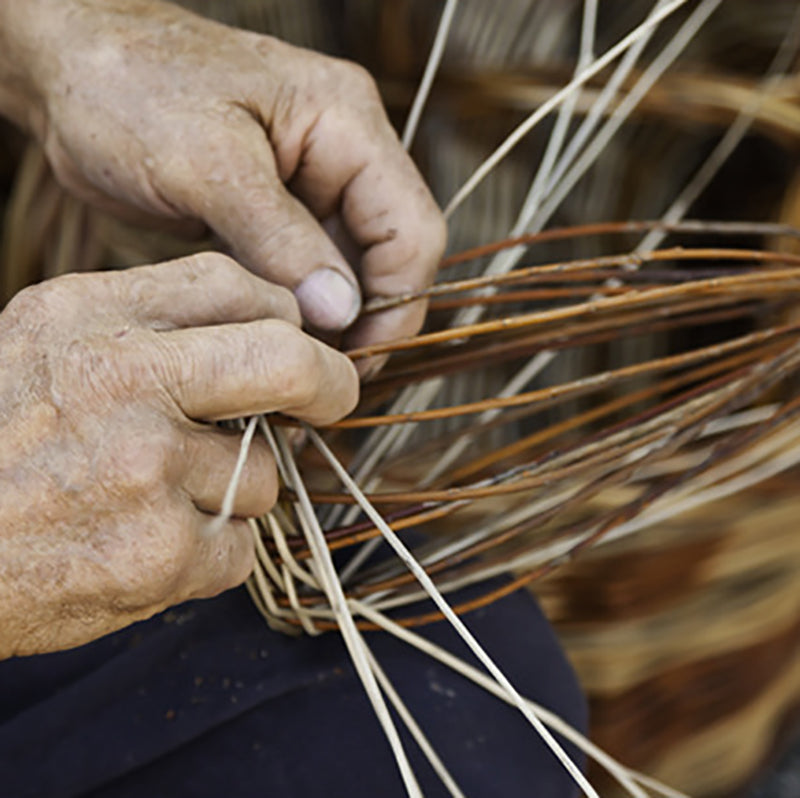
{"points": [[244, 201]]}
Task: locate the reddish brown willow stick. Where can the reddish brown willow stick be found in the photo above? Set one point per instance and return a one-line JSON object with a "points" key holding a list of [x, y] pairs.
{"points": [[605, 228]]}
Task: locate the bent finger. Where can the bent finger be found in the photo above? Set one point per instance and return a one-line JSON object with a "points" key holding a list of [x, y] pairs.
{"points": [[235, 189], [361, 171], [209, 460], [262, 367], [204, 289], [223, 557]]}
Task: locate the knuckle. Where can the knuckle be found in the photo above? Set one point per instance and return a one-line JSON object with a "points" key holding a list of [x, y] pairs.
{"points": [[46, 299], [140, 463], [358, 79], [142, 286], [202, 263], [108, 374], [286, 304], [153, 557]]}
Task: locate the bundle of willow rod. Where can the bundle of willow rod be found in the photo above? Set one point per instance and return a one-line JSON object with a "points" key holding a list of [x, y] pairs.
{"points": [[703, 416]]}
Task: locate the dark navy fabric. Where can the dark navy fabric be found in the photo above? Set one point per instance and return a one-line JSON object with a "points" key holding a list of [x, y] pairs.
{"points": [[205, 702]]}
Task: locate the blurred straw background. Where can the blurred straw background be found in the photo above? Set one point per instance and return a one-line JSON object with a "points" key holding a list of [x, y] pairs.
{"points": [[686, 638]]}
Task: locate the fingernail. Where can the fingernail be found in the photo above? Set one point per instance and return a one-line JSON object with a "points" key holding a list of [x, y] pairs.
{"points": [[328, 299]]}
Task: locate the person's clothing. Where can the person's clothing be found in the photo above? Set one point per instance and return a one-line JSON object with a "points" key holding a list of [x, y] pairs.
{"points": [[205, 701]]}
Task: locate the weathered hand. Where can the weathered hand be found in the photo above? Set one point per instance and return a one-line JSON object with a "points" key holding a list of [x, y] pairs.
{"points": [[141, 104], [109, 478]]}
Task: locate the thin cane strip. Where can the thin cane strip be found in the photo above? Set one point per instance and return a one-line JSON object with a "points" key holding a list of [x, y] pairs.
{"points": [[762, 343], [542, 295], [595, 113], [384, 447], [593, 116], [454, 620], [226, 512], [734, 135], [564, 270], [381, 443], [263, 555], [565, 112], [413, 727], [503, 347], [344, 619], [585, 75], [581, 420], [781, 279], [544, 511], [434, 59], [287, 560], [261, 592], [342, 537], [649, 419], [593, 537], [564, 183], [620, 772], [569, 390], [298, 606], [459, 446], [555, 466], [503, 350], [683, 226]]}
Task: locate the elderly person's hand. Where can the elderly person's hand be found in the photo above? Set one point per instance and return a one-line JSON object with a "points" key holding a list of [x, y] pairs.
{"points": [[141, 104], [109, 480]]}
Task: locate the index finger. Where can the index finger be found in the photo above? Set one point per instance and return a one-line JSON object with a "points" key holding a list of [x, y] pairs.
{"points": [[354, 164], [266, 366]]}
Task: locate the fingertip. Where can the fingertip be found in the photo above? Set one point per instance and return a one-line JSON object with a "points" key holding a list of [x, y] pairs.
{"points": [[328, 299]]}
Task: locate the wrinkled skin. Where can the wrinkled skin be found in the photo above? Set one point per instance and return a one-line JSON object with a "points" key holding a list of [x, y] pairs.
{"points": [[109, 482], [144, 107], [110, 471]]}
